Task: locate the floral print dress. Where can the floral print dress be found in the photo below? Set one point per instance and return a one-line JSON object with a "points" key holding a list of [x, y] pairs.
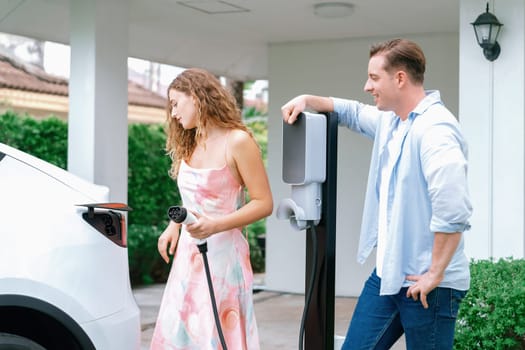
{"points": [[185, 320]]}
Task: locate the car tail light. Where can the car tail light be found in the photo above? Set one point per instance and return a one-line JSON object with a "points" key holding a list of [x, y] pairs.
{"points": [[108, 221]]}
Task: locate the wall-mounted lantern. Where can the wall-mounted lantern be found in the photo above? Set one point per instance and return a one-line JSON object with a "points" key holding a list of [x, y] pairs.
{"points": [[487, 28]]}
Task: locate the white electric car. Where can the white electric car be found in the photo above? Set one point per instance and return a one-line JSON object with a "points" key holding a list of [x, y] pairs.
{"points": [[64, 279]]}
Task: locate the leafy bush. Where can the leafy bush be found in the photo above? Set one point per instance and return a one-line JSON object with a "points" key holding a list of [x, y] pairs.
{"points": [[45, 139], [145, 264], [150, 189], [492, 315], [255, 232]]}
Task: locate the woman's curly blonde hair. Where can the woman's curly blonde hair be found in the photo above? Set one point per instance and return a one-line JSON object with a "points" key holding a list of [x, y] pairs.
{"points": [[214, 104]]}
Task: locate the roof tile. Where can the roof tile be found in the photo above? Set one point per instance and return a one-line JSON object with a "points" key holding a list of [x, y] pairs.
{"points": [[19, 76]]}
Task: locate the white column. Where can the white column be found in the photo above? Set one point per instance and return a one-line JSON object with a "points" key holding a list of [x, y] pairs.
{"points": [[492, 114], [98, 134]]}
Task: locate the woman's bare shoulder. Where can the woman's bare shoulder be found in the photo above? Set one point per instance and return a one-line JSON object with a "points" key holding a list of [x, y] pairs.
{"points": [[240, 137]]}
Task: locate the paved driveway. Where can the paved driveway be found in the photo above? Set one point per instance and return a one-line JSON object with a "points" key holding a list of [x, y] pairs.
{"points": [[278, 316]]}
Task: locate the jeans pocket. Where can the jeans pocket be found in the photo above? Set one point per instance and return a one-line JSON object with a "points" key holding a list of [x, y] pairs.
{"points": [[454, 300]]}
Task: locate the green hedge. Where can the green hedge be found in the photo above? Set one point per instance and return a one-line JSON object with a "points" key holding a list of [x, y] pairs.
{"points": [[150, 190], [145, 264], [492, 315], [45, 139]]}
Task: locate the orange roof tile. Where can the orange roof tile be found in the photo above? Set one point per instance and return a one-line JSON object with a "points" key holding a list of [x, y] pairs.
{"points": [[19, 76]]}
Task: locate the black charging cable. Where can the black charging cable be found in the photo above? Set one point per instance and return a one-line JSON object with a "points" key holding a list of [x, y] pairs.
{"points": [[313, 275], [203, 248], [181, 215]]}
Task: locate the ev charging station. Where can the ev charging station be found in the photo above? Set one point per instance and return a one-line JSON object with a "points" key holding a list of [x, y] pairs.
{"points": [[310, 167]]}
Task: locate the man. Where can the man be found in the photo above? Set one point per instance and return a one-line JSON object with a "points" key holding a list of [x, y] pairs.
{"points": [[417, 203]]}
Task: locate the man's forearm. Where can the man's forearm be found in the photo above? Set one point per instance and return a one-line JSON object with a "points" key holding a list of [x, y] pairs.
{"points": [[445, 245], [319, 103]]}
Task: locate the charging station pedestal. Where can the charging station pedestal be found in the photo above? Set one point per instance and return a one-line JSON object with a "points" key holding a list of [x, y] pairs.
{"points": [[314, 200], [319, 327]]}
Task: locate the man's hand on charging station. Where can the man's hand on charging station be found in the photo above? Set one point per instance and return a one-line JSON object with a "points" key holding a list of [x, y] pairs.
{"points": [[301, 103], [293, 108]]}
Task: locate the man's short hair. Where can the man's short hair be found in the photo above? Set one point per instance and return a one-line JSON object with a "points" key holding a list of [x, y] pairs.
{"points": [[402, 54]]}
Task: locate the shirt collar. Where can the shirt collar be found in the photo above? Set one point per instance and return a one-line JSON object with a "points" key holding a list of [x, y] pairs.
{"points": [[432, 97]]}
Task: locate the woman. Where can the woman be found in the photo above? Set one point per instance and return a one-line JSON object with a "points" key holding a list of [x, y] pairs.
{"points": [[215, 157]]}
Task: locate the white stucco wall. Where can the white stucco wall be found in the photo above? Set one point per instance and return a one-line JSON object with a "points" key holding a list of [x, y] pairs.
{"points": [[493, 117], [336, 68]]}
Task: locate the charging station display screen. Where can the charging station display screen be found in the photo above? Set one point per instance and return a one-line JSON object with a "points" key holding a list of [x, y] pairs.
{"points": [[294, 144]]}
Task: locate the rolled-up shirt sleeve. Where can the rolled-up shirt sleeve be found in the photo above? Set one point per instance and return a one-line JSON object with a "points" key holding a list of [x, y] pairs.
{"points": [[357, 116], [444, 163]]}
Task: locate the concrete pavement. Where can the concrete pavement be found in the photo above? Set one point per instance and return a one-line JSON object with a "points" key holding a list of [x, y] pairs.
{"points": [[278, 315]]}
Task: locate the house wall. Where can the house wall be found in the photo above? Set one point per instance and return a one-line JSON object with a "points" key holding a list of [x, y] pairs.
{"points": [[336, 68], [42, 106], [493, 116], [35, 104]]}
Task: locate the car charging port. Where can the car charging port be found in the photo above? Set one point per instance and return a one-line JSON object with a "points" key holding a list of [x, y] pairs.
{"points": [[107, 221]]}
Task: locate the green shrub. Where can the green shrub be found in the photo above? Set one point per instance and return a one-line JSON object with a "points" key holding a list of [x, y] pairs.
{"points": [[492, 315], [145, 264], [150, 189], [255, 232], [12, 129], [45, 139]]}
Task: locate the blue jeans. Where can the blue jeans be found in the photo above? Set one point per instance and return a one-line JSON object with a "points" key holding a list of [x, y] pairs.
{"points": [[379, 321]]}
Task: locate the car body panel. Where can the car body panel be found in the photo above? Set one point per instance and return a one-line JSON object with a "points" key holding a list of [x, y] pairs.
{"points": [[49, 252]]}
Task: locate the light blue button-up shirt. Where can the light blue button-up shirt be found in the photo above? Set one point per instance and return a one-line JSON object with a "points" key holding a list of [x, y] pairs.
{"points": [[427, 192]]}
